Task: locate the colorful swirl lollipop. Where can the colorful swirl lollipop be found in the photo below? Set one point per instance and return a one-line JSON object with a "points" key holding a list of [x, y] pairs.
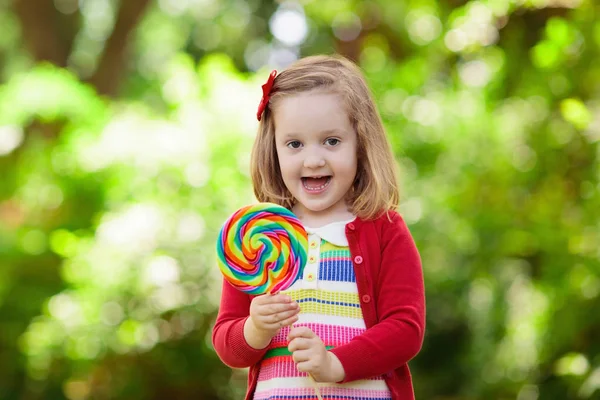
{"points": [[262, 249]]}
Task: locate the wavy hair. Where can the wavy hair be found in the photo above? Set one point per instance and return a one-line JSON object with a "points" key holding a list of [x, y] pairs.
{"points": [[375, 188]]}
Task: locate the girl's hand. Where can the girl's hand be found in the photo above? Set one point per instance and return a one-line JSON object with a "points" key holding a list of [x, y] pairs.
{"points": [[271, 312], [311, 356]]}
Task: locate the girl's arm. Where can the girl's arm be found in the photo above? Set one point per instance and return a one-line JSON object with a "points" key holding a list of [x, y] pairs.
{"points": [[228, 333], [398, 335]]}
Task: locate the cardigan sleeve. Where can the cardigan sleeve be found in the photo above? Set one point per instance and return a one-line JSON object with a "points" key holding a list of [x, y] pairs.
{"points": [[400, 301], [228, 333]]}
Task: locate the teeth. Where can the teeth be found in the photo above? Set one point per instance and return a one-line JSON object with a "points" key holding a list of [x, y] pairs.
{"points": [[315, 188]]}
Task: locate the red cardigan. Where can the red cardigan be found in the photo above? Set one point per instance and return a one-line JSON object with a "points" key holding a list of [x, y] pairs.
{"points": [[390, 285]]}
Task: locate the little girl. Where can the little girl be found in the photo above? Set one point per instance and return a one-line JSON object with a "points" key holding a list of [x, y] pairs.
{"points": [[358, 311]]}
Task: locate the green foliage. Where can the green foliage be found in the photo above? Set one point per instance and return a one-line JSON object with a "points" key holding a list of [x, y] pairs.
{"points": [[110, 207]]}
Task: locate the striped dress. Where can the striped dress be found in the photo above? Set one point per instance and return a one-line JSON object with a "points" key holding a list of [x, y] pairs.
{"points": [[330, 306]]}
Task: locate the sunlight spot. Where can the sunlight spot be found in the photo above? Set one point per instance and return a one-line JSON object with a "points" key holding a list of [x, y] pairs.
{"points": [[412, 210], [572, 364], [421, 110], [112, 313], [11, 137], [65, 309], [162, 270], [480, 295], [591, 384], [190, 228], [346, 26], [173, 7], [288, 24], [475, 73], [524, 158], [147, 336], [136, 227], [51, 196], [423, 27], [528, 392], [76, 390], [167, 297], [197, 174], [455, 40]]}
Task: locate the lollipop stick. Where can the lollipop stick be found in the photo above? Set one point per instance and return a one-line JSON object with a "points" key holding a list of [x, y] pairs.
{"points": [[316, 386]]}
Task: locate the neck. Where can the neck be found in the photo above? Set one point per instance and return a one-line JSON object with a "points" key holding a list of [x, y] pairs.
{"points": [[319, 219]]}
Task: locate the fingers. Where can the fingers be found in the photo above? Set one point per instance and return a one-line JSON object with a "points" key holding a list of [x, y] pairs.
{"points": [[299, 344], [272, 312], [301, 356], [279, 310], [269, 305], [272, 299], [301, 332], [280, 317], [305, 366], [308, 351], [303, 352], [289, 321]]}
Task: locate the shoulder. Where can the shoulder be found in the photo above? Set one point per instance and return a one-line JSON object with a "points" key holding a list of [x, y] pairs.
{"points": [[390, 222], [395, 236], [384, 227], [394, 233]]}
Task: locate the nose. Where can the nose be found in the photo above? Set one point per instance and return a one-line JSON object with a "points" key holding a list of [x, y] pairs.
{"points": [[314, 160]]}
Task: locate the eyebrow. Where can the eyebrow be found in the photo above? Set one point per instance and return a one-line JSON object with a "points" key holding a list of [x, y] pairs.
{"points": [[322, 133]]}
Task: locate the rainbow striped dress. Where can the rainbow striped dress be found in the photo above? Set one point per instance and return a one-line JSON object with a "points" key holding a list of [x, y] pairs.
{"points": [[330, 306]]}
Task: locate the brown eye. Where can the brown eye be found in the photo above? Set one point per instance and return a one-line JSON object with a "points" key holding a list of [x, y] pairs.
{"points": [[294, 144], [332, 141]]}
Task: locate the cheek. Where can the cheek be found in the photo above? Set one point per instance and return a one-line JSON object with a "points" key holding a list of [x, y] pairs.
{"points": [[285, 171], [350, 172], [280, 159], [353, 164], [285, 165], [348, 164]]}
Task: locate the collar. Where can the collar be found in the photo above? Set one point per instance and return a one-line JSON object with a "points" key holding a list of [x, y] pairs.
{"points": [[334, 233]]}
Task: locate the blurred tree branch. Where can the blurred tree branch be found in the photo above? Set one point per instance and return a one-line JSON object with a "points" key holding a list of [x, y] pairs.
{"points": [[49, 36], [39, 24], [112, 64]]}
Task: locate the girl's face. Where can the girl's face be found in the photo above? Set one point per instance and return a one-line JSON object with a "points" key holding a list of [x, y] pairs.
{"points": [[316, 147]]}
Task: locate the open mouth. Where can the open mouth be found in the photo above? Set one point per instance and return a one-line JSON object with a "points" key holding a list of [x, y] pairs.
{"points": [[316, 184]]}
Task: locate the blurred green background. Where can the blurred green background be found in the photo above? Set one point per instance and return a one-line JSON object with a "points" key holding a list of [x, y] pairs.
{"points": [[125, 130]]}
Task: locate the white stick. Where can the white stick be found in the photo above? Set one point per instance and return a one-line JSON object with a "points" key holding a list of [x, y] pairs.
{"points": [[316, 386]]}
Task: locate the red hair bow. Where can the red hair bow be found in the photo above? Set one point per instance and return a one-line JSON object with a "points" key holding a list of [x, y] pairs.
{"points": [[266, 88]]}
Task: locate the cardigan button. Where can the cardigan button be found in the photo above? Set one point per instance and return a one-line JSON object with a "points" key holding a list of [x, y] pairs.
{"points": [[358, 259], [366, 298], [351, 226]]}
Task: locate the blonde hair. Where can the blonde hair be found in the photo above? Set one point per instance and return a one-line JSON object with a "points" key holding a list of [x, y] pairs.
{"points": [[375, 188]]}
